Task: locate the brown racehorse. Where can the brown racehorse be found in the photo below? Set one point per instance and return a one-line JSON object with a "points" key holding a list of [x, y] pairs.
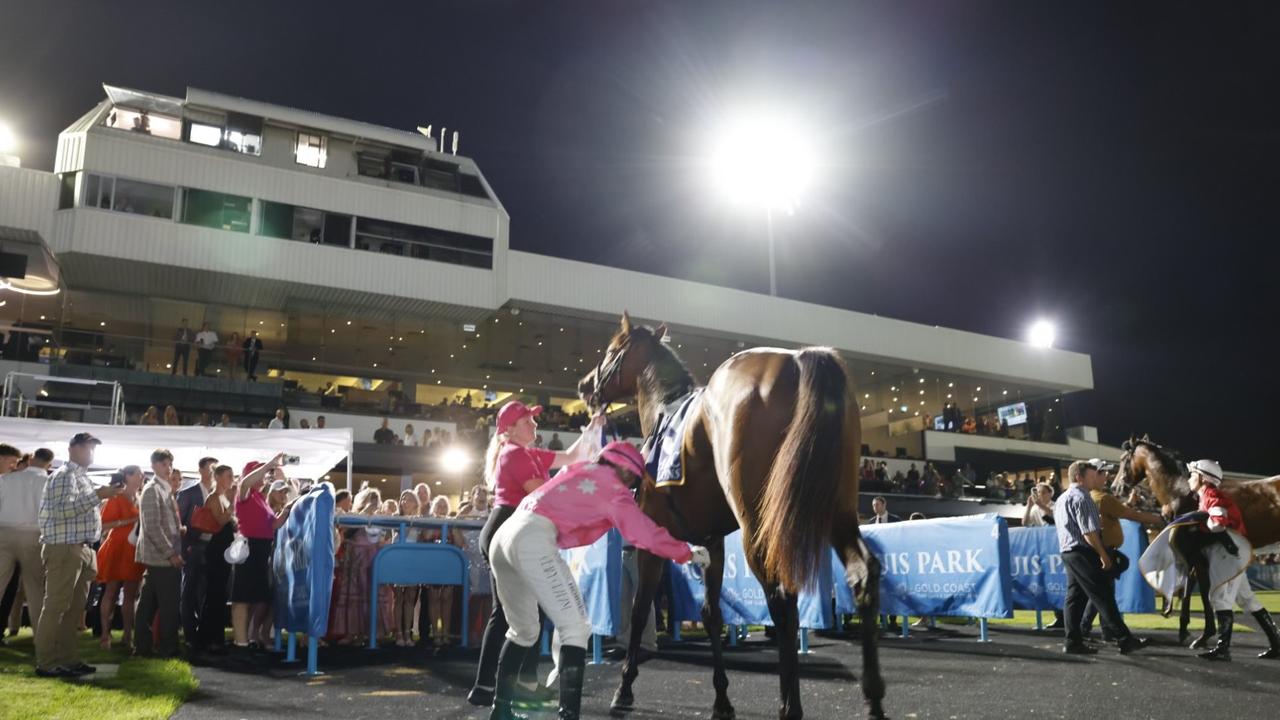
{"points": [[771, 446], [1258, 500]]}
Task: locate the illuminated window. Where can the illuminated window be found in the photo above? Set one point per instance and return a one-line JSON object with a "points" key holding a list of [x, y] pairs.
{"points": [[311, 150], [202, 134]]}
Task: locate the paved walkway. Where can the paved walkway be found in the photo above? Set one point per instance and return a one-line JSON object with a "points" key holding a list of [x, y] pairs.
{"points": [[935, 674]]}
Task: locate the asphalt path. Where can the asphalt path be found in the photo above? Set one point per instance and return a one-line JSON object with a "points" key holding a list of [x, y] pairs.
{"points": [[943, 673]]}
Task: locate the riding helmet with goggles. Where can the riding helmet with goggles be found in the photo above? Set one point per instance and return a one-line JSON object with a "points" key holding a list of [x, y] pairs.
{"points": [[1210, 471], [623, 454]]}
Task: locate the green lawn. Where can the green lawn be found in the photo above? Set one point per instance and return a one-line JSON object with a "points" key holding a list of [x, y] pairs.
{"points": [[1151, 621], [124, 689]]}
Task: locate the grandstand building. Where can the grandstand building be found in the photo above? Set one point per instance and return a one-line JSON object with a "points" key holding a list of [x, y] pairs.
{"points": [[375, 266]]}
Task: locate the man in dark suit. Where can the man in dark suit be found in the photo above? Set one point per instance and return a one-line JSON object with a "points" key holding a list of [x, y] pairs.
{"points": [[194, 543], [881, 512]]}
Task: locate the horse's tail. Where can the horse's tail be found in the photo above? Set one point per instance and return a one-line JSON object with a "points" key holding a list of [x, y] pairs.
{"points": [[798, 504]]}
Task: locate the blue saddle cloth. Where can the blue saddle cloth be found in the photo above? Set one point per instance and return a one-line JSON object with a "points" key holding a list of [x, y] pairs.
{"points": [[662, 449]]}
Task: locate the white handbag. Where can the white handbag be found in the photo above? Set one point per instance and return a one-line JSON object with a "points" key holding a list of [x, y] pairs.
{"points": [[238, 551]]}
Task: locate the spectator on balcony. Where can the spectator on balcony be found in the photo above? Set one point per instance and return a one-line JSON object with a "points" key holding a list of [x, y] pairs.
{"points": [[913, 479], [203, 420], [150, 417], [882, 474], [224, 421], [277, 422], [252, 350], [206, 341], [385, 435], [181, 348], [304, 424], [410, 439], [171, 416], [234, 355], [320, 422], [556, 443]]}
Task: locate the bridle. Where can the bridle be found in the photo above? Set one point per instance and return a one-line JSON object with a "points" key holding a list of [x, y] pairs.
{"points": [[606, 374]]}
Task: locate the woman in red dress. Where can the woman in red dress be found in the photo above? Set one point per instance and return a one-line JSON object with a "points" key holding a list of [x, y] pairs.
{"points": [[116, 566]]}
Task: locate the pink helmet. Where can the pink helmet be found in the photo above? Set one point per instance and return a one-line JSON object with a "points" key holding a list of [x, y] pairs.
{"points": [[624, 455]]}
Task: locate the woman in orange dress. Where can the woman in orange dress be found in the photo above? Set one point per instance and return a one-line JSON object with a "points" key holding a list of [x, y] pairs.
{"points": [[116, 566]]}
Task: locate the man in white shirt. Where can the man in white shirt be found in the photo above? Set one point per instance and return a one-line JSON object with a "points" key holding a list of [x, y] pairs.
{"points": [[20, 495], [277, 422], [206, 341]]}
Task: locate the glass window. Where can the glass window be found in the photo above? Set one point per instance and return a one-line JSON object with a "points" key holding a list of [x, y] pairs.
{"points": [[216, 210], [67, 190], [243, 134], [148, 123], [142, 198], [98, 191], [311, 150], [371, 164], [424, 243], [293, 223], [202, 134]]}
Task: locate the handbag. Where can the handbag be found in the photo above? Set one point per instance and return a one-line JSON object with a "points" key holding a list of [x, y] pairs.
{"points": [[238, 551], [204, 521]]}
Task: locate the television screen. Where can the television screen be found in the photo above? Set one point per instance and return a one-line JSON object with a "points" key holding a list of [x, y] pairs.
{"points": [[1015, 414], [939, 423]]}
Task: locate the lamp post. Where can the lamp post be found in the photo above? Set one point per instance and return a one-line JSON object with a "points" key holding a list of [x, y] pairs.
{"points": [[763, 160]]}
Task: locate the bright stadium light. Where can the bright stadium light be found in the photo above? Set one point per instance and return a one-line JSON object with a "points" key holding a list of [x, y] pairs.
{"points": [[455, 460], [1041, 334], [763, 159], [7, 140]]}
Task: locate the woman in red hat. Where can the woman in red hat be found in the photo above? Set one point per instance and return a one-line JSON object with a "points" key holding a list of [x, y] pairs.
{"points": [[575, 509], [513, 468]]}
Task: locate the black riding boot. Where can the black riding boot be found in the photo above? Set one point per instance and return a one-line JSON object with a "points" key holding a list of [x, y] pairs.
{"points": [[573, 665], [1222, 651], [1273, 636], [509, 661]]}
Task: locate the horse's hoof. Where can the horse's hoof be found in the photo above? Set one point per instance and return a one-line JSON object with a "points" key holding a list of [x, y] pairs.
{"points": [[875, 711], [723, 713], [1182, 637], [622, 701]]}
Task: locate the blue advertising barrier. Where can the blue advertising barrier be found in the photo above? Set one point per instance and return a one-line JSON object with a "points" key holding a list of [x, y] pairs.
{"points": [[950, 566], [1040, 579], [598, 569], [302, 564]]}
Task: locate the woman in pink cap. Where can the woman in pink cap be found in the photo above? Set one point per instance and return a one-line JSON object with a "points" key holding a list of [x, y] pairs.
{"points": [[576, 508], [513, 468]]}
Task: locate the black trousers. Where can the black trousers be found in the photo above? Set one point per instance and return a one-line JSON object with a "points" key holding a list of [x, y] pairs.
{"points": [[183, 351], [193, 589], [251, 365], [212, 630], [203, 360], [1086, 583], [495, 632]]}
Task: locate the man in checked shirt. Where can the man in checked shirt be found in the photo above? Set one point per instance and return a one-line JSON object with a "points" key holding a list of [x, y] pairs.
{"points": [[69, 526]]}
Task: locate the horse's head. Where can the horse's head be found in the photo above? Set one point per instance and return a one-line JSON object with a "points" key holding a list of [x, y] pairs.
{"points": [[1159, 469], [617, 377]]}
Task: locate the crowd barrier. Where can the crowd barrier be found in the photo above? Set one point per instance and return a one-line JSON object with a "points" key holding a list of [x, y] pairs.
{"points": [[972, 567]]}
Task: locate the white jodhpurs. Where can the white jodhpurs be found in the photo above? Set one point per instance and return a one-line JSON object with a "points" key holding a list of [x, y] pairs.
{"points": [[1235, 591], [529, 573]]}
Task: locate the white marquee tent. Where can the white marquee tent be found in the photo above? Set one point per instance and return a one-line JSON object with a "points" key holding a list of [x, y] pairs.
{"points": [[318, 451]]}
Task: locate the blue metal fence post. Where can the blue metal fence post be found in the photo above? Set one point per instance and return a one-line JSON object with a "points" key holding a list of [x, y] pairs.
{"points": [[597, 656], [906, 623], [733, 636], [291, 654], [313, 657], [546, 640], [675, 631], [276, 640], [1039, 620], [982, 630], [804, 641]]}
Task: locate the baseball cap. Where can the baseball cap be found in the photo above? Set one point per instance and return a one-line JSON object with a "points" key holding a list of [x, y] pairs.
{"points": [[514, 412], [279, 485], [251, 466], [1100, 465], [84, 438], [624, 455]]}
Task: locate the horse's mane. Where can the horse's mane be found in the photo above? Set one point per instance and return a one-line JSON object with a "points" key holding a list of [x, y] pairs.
{"points": [[667, 376]]}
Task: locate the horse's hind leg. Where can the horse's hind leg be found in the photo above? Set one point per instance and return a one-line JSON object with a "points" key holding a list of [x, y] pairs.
{"points": [[713, 578], [862, 572], [649, 571], [786, 624]]}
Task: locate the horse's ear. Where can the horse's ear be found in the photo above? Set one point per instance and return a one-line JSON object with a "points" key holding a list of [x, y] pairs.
{"points": [[1146, 437], [626, 323], [661, 332]]}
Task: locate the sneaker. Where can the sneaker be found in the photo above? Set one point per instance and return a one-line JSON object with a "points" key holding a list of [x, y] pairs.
{"points": [[57, 672], [1079, 649], [1055, 625], [81, 669], [1131, 644]]}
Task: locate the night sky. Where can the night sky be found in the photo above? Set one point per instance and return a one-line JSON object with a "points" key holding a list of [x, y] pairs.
{"points": [[1114, 166]]}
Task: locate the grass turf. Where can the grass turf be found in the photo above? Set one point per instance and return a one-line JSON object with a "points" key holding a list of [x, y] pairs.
{"points": [[1151, 621], [123, 688]]}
